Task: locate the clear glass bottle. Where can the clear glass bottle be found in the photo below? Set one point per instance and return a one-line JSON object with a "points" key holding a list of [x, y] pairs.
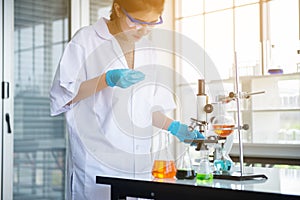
{"points": [[184, 165], [222, 162], [204, 171], [164, 164]]}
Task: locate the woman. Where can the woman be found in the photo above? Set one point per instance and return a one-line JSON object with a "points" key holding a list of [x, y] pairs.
{"points": [[107, 86]]}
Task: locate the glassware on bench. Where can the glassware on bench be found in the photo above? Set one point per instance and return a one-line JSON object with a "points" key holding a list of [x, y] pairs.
{"points": [[222, 124], [164, 164], [222, 162], [184, 165], [204, 171]]}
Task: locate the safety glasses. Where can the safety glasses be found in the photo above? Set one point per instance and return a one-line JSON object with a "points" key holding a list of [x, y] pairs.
{"points": [[138, 23]]}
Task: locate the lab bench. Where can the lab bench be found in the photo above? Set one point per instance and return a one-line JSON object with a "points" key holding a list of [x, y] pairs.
{"points": [[280, 184]]}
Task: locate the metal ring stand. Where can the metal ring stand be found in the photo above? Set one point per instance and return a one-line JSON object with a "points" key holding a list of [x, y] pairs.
{"points": [[200, 143], [241, 175]]}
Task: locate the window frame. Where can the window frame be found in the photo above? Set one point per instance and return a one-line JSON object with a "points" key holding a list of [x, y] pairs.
{"points": [[274, 151]]}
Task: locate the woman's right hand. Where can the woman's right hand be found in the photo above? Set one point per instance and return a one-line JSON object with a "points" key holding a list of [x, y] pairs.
{"points": [[123, 78], [181, 131]]}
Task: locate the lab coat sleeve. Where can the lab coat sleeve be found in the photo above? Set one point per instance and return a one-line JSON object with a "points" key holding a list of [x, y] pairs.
{"points": [[68, 77], [163, 100]]}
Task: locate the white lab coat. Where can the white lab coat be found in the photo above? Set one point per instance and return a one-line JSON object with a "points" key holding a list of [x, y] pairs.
{"points": [[109, 133]]}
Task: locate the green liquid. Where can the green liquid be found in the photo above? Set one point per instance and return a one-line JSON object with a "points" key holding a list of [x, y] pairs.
{"points": [[204, 176]]}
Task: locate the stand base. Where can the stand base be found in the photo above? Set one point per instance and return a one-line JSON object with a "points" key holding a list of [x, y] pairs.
{"points": [[237, 176]]}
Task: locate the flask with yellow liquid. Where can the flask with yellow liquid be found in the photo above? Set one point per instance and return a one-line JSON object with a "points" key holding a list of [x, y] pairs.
{"points": [[164, 164]]}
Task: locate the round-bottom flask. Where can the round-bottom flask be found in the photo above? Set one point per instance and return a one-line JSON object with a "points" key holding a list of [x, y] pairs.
{"points": [[222, 123], [204, 171]]}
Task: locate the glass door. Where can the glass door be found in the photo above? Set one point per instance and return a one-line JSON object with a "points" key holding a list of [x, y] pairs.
{"points": [[6, 106], [41, 31]]}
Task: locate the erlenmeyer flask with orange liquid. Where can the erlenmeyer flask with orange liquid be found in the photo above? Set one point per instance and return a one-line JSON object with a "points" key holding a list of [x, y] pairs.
{"points": [[164, 164]]}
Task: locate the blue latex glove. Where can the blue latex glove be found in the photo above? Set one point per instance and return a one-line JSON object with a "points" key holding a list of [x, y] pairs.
{"points": [[181, 131], [123, 78]]}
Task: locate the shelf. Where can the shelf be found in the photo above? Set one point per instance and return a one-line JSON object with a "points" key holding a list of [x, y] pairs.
{"points": [[268, 150], [276, 110], [269, 110], [280, 76], [277, 76]]}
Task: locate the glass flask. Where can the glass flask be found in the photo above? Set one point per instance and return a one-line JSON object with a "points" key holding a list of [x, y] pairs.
{"points": [[164, 164], [222, 124], [222, 162], [184, 165], [204, 171]]}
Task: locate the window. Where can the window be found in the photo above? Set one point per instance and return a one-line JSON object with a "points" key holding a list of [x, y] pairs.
{"points": [[99, 9], [283, 48], [255, 31], [40, 35]]}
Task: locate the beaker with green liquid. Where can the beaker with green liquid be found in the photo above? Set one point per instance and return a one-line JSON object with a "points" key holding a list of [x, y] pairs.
{"points": [[204, 171]]}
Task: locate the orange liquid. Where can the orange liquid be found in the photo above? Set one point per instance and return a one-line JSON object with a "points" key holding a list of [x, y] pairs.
{"points": [[163, 169], [223, 130]]}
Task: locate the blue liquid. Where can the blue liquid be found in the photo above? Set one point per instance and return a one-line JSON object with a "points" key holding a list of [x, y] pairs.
{"points": [[222, 165]]}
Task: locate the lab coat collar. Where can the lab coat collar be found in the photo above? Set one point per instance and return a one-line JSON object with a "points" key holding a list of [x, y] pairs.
{"points": [[101, 29]]}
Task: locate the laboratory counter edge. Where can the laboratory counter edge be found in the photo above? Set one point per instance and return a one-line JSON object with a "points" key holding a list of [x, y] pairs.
{"points": [[273, 188]]}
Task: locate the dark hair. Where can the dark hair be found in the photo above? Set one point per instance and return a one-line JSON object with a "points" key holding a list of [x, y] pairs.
{"points": [[137, 5]]}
